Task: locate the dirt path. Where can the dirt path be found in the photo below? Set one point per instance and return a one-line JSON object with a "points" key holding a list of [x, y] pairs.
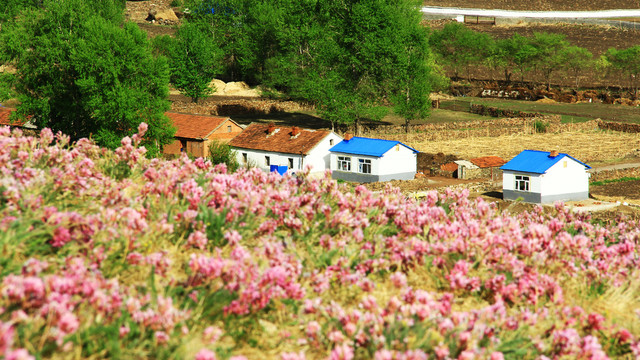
{"points": [[615, 167], [601, 14]]}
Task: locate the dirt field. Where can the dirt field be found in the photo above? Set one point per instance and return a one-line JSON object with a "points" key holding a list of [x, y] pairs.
{"points": [[538, 5], [595, 38], [626, 189]]}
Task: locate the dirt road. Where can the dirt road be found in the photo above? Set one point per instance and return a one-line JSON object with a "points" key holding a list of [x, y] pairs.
{"points": [[601, 14]]}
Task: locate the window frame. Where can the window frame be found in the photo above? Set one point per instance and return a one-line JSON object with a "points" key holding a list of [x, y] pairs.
{"points": [[364, 166], [522, 183], [344, 162]]}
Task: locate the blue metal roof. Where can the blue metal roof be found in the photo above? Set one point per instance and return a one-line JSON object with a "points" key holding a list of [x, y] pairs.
{"points": [[536, 162], [367, 146]]}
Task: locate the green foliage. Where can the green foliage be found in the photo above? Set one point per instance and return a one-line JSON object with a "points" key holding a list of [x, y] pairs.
{"points": [[220, 153], [6, 86], [81, 70], [194, 60], [460, 47], [540, 126], [548, 53], [348, 58], [609, 181], [575, 60], [10, 8], [626, 61]]}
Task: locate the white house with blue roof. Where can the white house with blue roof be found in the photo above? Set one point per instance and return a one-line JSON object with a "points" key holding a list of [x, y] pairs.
{"points": [[545, 177], [363, 159]]}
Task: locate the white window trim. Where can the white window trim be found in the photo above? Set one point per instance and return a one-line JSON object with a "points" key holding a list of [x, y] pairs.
{"points": [[522, 181], [344, 161], [362, 164]]}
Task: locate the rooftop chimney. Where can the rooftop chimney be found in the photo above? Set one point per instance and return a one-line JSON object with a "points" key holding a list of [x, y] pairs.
{"points": [[348, 136], [295, 131], [271, 128], [553, 153]]}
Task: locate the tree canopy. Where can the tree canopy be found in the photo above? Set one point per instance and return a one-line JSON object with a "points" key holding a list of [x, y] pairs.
{"points": [[350, 58], [83, 71], [194, 59]]}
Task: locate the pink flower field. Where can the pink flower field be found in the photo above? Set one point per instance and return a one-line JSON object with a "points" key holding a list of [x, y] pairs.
{"points": [[112, 255]]}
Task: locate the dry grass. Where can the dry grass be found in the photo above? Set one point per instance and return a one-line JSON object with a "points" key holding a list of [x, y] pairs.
{"points": [[588, 146]]}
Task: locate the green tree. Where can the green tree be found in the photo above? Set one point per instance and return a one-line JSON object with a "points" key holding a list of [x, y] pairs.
{"points": [[194, 60], [460, 47], [626, 61], [521, 52], [81, 70], [548, 53], [10, 8], [348, 57], [221, 153], [575, 59]]}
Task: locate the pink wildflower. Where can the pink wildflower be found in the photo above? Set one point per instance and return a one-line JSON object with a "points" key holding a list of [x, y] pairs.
{"points": [[205, 354], [342, 352]]}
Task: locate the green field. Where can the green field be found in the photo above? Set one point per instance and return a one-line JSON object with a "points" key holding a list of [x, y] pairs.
{"points": [[569, 112]]}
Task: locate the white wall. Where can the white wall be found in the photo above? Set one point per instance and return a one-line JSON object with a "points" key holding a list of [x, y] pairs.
{"points": [[567, 176], [318, 157], [398, 160], [257, 158], [375, 162], [509, 181]]}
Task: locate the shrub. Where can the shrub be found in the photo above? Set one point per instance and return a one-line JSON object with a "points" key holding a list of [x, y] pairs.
{"points": [[540, 126], [220, 153]]}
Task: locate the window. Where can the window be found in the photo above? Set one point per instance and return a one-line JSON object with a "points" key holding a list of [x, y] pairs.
{"points": [[267, 161], [364, 166], [244, 158], [564, 164], [522, 183], [398, 147], [330, 141], [344, 163], [290, 163], [228, 128]]}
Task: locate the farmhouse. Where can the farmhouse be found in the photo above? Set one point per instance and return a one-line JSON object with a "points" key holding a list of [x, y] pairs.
{"points": [[545, 177], [362, 159], [194, 133], [266, 145]]}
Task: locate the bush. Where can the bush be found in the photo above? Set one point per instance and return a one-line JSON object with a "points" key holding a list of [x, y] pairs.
{"points": [[220, 153], [540, 126]]}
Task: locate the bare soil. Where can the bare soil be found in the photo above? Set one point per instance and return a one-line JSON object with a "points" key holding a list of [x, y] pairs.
{"points": [[538, 5], [625, 189], [597, 39]]}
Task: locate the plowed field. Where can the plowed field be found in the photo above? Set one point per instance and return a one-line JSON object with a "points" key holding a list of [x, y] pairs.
{"points": [[625, 189]]}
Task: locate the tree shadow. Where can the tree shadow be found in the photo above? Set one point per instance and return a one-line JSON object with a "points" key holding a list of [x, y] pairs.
{"points": [[493, 194]]}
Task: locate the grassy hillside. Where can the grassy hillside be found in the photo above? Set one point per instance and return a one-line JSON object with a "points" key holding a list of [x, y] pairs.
{"points": [[111, 255]]}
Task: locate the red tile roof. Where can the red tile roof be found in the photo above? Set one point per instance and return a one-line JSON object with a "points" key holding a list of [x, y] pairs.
{"points": [[4, 117], [488, 161], [256, 137], [191, 126], [451, 167]]}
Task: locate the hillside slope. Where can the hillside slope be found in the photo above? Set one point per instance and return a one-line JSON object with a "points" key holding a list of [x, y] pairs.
{"points": [[111, 255]]}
